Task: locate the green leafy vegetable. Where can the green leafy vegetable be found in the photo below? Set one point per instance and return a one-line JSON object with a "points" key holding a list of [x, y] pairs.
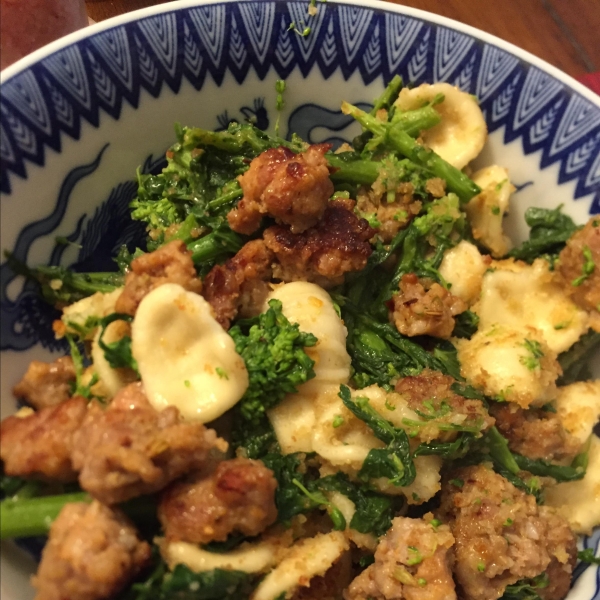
{"points": [[587, 556], [526, 589], [117, 354], [550, 230], [273, 350], [575, 361], [395, 461]]}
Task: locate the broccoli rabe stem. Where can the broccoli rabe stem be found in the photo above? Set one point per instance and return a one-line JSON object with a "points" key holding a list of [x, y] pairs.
{"points": [[400, 141], [214, 245], [389, 95], [23, 516], [361, 172], [33, 516]]}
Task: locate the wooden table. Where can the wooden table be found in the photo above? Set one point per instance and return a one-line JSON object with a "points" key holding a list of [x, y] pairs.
{"points": [[566, 33]]}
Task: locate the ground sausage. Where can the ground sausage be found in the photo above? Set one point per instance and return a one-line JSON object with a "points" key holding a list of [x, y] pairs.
{"points": [[130, 449], [570, 267], [430, 393], [292, 188], [535, 433], [239, 283], [171, 263], [413, 561], [424, 308], [502, 536], [92, 553], [338, 244], [237, 497], [46, 384], [39, 445]]}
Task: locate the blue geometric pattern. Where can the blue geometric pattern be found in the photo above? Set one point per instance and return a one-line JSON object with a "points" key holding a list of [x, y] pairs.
{"points": [[105, 70]]}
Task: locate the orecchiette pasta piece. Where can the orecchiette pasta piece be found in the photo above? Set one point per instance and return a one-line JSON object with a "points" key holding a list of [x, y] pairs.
{"points": [[97, 305], [578, 407], [185, 358], [250, 558], [463, 267], [579, 501], [462, 132], [520, 295], [512, 364], [308, 558], [312, 308], [293, 420], [111, 380], [486, 210]]}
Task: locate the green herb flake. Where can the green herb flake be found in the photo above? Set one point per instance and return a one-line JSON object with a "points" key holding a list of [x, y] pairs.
{"points": [[481, 566], [222, 373], [338, 421], [435, 523], [495, 210], [562, 325], [389, 405], [422, 582], [507, 523], [587, 269], [187, 383], [532, 360], [457, 482]]}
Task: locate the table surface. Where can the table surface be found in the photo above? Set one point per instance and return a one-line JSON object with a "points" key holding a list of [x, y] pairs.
{"points": [[562, 32]]}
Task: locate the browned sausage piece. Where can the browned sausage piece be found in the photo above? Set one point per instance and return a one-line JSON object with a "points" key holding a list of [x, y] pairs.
{"points": [[431, 394], [46, 384], [239, 283], [413, 561], [535, 433], [237, 497], [292, 188], [40, 445], [503, 536], [171, 263], [424, 308], [130, 449], [338, 244], [92, 553]]}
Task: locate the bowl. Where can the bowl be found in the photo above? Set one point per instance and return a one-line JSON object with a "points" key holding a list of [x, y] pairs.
{"points": [[80, 115]]}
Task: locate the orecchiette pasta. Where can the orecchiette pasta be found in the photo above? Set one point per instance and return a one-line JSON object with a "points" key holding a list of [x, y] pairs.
{"points": [[308, 558], [173, 334], [520, 295], [462, 132], [486, 210], [463, 267], [512, 364]]}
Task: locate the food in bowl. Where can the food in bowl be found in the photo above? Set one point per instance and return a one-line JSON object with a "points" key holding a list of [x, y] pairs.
{"points": [[328, 374]]}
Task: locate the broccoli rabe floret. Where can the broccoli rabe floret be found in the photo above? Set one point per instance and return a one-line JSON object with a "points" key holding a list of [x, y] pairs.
{"points": [[273, 350]]}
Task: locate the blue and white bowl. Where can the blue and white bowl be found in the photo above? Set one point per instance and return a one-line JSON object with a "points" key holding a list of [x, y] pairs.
{"points": [[80, 115]]}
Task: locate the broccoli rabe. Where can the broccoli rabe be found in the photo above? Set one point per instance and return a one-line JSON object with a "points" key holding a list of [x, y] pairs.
{"points": [[395, 461], [61, 287], [549, 231], [273, 350], [184, 584], [396, 136]]}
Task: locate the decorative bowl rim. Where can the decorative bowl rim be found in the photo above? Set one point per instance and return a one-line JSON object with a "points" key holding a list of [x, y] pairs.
{"points": [[380, 5]]}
